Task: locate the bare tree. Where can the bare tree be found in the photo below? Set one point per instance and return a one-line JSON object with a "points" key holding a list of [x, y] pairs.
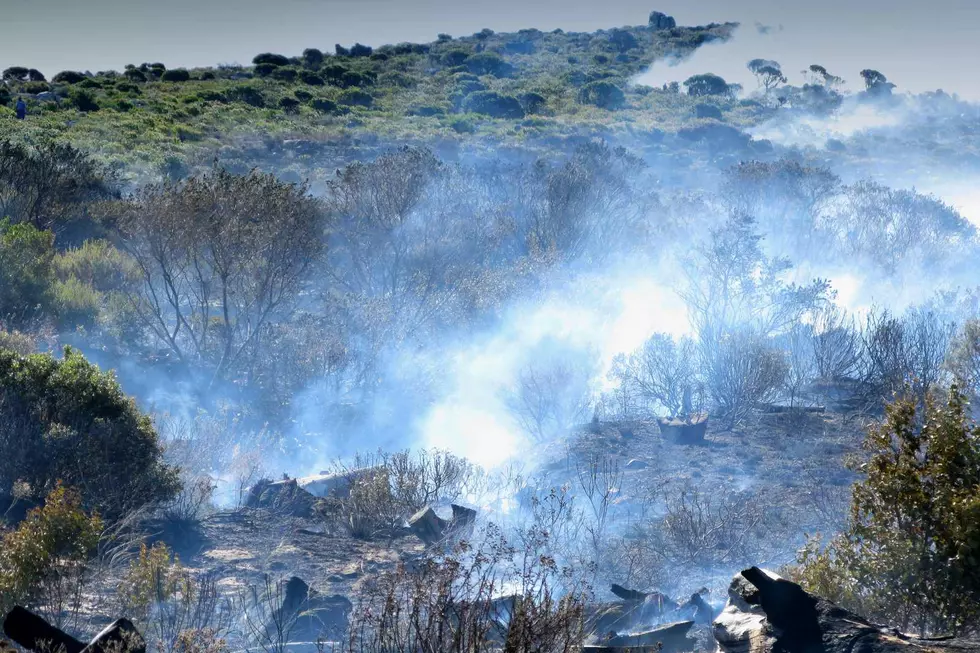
{"points": [[220, 256], [662, 371]]}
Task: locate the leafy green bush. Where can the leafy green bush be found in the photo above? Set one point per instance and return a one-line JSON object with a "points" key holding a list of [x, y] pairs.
{"points": [[65, 420], [247, 95], [311, 78], [84, 101], [285, 74], [43, 562], [289, 104], [454, 58], [135, 75], [312, 58], [26, 255], [910, 555], [75, 303], [271, 59], [488, 63], [356, 97], [68, 77], [494, 104], [265, 69], [602, 94], [324, 106], [359, 50], [176, 75]]}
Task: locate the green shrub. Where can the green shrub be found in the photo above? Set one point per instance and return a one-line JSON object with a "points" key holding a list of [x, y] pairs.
{"points": [[207, 75], [128, 87], [247, 95], [43, 562], [265, 69], [324, 106], [311, 78], [359, 50], [494, 104], [66, 420], [910, 556], [176, 75], [302, 96], [488, 63], [289, 104], [356, 97], [68, 77], [75, 303], [135, 75], [532, 102], [285, 74], [5, 96], [352, 79], [26, 274], [602, 94], [462, 126], [312, 58], [454, 58], [271, 59], [84, 101]]}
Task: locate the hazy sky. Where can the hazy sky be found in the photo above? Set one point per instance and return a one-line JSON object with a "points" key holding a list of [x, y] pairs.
{"points": [[919, 45]]}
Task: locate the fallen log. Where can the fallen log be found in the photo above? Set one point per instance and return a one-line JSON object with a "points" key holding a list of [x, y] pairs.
{"points": [[33, 633]]}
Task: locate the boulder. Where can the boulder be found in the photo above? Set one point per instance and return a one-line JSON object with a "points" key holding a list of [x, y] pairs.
{"points": [[284, 496], [767, 614], [660, 20], [309, 615], [689, 431], [334, 483], [431, 528], [669, 638]]}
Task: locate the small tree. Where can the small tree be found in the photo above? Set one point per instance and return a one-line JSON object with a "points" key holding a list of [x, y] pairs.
{"points": [[911, 552], [769, 73], [706, 84]]}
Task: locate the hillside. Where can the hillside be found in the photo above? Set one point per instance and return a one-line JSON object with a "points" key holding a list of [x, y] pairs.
{"points": [[509, 88]]}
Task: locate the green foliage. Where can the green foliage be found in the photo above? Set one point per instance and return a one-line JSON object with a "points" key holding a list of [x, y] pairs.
{"points": [[270, 59], [910, 555], [602, 94], [65, 420], [68, 77], [84, 100], [311, 78], [488, 63], [247, 95], [312, 58], [706, 84], [154, 576], [43, 561], [322, 105], [494, 104], [26, 273], [176, 75], [356, 97]]}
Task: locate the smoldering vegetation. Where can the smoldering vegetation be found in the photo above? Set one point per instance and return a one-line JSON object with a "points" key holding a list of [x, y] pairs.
{"points": [[500, 333]]}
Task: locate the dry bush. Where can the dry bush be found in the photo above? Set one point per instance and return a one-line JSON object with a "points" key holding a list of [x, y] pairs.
{"points": [[172, 607], [550, 396], [743, 370], [382, 490], [263, 621], [478, 598], [909, 350], [963, 360], [662, 373], [837, 346], [801, 365]]}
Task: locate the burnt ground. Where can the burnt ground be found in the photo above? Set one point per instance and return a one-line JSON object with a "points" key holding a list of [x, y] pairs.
{"points": [[794, 467]]}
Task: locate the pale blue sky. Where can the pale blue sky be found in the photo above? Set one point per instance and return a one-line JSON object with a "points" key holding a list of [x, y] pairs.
{"points": [[919, 45]]}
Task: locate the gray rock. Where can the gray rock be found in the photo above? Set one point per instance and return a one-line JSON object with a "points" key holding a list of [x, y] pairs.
{"points": [[767, 614], [660, 20]]}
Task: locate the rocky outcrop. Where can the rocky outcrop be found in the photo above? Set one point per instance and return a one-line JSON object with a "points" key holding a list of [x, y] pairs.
{"points": [[768, 614], [660, 20]]}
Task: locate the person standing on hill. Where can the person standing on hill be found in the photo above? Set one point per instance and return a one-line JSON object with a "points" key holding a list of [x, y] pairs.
{"points": [[21, 109]]}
